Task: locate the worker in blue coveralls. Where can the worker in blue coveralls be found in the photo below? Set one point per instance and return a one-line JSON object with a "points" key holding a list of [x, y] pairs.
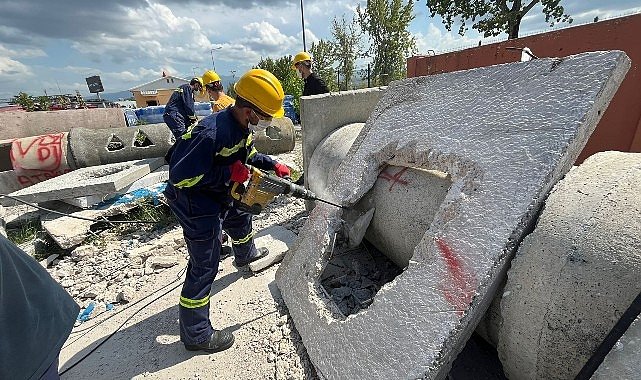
{"points": [[179, 111], [207, 159]]}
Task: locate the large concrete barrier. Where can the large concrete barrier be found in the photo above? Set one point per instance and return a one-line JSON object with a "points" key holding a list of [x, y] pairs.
{"points": [[577, 273], [15, 125], [505, 135]]}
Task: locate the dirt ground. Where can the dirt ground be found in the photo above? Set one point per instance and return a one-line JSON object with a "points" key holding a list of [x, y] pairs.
{"points": [[143, 334]]}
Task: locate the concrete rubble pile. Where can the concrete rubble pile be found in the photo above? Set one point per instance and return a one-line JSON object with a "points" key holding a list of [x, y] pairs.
{"points": [[458, 167]]}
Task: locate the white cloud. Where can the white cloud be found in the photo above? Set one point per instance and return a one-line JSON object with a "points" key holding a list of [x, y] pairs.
{"points": [[265, 37], [21, 53], [13, 70], [157, 35]]}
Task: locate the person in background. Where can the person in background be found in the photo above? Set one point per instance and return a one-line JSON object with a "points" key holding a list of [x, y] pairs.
{"points": [[204, 164], [214, 87], [179, 111], [36, 316], [314, 85]]}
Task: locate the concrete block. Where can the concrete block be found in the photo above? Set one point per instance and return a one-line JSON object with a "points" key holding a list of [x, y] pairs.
{"points": [[321, 114], [68, 231], [159, 175], [576, 273], [505, 134], [278, 240], [16, 125], [623, 361], [103, 179]]}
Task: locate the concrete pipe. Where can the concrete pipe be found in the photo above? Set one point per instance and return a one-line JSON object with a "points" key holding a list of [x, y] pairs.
{"points": [[395, 217], [98, 147], [26, 124], [279, 137], [572, 278], [577, 273]]}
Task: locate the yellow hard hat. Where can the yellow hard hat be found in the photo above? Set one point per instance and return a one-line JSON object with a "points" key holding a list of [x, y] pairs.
{"points": [[302, 56], [262, 89], [210, 76]]}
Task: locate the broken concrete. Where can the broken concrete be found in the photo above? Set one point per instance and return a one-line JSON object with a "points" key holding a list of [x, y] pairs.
{"points": [[100, 147], [16, 125], [506, 134], [277, 240], [103, 179], [159, 175], [577, 273]]}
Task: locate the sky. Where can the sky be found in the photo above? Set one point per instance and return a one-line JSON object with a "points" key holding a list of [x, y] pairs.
{"points": [[53, 46]]}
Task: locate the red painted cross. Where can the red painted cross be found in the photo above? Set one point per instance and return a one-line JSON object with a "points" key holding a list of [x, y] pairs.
{"points": [[394, 179]]}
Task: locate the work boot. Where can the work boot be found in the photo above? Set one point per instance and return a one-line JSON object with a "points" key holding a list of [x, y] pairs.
{"points": [[260, 253], [219, 341]]}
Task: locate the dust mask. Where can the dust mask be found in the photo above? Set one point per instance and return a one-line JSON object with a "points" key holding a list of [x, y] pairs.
{"points": [[260, 126], [299, 74]]}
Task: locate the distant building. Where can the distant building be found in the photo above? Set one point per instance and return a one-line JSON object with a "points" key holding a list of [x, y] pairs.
{"points": [[158, 91]]}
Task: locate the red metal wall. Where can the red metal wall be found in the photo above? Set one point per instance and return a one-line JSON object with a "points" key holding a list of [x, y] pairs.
{"points": [[620, 126]]}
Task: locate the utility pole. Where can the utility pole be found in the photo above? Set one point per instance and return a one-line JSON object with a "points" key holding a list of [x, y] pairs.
{"points": [[302, 19], [213, 65]]}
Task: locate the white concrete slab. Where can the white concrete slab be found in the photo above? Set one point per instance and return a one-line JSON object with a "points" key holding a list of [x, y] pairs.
{"points": [[159, 175], [506, 134], [93, 180]]}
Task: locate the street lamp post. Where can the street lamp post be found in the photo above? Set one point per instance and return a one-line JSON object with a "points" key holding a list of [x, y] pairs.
{"points": [[302, 19], [213, 65]]}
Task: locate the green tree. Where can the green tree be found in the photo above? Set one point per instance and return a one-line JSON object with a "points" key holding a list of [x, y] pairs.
{"points": [[493, 17], [44, 103], [347, 47], [386, 22], [323, 55], [24, 100]]}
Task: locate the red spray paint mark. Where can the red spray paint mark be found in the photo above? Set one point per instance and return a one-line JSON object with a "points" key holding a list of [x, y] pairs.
{"points": [[394, 179], [40, 153], [460, 286]]}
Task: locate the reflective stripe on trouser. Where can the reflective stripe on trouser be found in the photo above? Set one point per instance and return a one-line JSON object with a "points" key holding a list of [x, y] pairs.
{"points": [[238, 226], [176, 124], [202, 236]]}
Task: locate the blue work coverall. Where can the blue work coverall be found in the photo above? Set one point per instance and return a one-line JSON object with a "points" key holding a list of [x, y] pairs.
{"points": [[180, 111], [198, 193], [36, 316]]}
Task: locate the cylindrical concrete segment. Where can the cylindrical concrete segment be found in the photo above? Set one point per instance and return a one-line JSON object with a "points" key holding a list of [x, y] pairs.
{"points": [[279, 137], [405, 199], [577, 273], [26, 124], [99, 147], [328, 155]]}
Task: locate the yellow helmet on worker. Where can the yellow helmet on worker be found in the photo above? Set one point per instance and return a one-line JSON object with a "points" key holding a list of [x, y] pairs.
{"points": [[300, 57], [210, 76], [262, 89]]}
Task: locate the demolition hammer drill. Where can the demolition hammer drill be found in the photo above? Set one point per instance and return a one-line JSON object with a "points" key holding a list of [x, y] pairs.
{"points": [[261, 188]]}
